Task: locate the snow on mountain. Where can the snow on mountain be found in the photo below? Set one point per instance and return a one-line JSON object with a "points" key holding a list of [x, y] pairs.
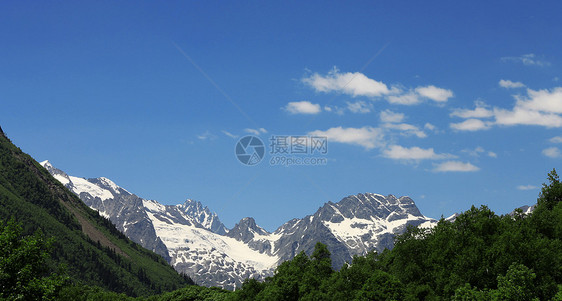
{"points": [[525, 209], [353, 226], [198, 247], [194, 241], [188, 235], [361, 228], [125, 210], [452, 218], [211, 258], [203, 215]]}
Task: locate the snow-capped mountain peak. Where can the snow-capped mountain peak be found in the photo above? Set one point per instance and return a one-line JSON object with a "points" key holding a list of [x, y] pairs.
{"points": [[46, 164], [247, 229], [203, 216], [110, 185], [58, 174], [194, 240]]}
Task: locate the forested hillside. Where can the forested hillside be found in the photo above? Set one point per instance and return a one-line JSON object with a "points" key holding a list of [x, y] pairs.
{"points": [[478, 256], [90, 248]]}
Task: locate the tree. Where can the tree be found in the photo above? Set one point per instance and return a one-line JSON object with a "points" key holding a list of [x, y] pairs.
{"points": [[284, 285], [24, 274], [517, 284], [468, 293], [319, 270], [250, 289], [381, 286], [551, 194]]}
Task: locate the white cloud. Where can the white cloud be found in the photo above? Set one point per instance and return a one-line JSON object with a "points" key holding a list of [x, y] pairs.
{"points": [[552, 152], [429, 126], [256, 131], [335, 109], [455, 166], [359, 107], [526, 187], [474, 152], [354, 84], [480, 111], [368, 137], [542, 100], [542, 107], [389, 116], [358, 84], [557, 139], [510, 85], [470, 125], [303, 107], [415, 153], [521, 116], [409, 98], [406, 129], [206, 136], [229, 134], [434, 93], [527, 59]]}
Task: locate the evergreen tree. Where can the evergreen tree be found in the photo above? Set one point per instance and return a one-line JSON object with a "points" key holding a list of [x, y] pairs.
{"points": [[24, 274], [551, 194]]}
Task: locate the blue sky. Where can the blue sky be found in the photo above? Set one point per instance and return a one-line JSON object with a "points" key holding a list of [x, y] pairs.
{"points": [[451, 103]]}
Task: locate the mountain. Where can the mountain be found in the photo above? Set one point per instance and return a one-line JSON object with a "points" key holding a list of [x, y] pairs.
{"points": [[189, 236], [210, 258], [195, 242], [353, 226], [526, 209], [203, 215], [125, 210], [93, 250]]}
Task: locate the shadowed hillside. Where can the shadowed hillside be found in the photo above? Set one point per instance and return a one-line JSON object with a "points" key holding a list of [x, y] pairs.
{"points": [[92, 249]]}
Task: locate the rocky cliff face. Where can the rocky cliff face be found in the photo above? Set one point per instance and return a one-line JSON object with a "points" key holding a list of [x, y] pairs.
{"points": [[125, 210], [194, 241]]}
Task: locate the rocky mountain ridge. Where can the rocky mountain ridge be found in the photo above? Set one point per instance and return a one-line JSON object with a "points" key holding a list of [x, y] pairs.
{"points": [[195, 242]]}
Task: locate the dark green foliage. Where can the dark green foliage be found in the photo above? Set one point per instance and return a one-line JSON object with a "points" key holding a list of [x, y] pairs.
{"points": [[297, 279], [92, 249], [194, 293], [517, 284], [480, 256], [381, 286], [551, 194], [188, 293], [24, 274], [250, 289]]}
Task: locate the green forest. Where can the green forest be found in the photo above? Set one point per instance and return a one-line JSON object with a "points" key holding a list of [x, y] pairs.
{"points": [[53, 247], [40, 216], [479, 256]]}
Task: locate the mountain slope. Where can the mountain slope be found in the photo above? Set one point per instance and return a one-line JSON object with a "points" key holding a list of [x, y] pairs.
{"points": [[125, 210], [199, 245], [189, 236], [94, 251], [353, 226]]}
